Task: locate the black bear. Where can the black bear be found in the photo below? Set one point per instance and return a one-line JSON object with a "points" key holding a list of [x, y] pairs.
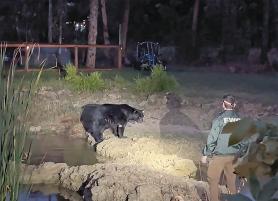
{"points": [[96, 118]]}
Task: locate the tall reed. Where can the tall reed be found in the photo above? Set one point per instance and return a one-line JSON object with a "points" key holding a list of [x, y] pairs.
{"points": [[15, 99]]}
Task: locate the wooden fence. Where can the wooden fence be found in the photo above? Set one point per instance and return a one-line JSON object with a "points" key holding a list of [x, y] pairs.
{"points": [[27, 46]]}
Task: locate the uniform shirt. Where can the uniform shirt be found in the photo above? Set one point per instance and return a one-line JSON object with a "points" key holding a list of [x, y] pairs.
{"points": [[217, 142]]}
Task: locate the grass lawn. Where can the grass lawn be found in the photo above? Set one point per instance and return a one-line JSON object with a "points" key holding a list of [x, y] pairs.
{"points": [[260, 87]]}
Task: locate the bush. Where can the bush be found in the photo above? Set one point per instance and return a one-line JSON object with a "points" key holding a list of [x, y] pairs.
{"points": [[71, 72], [92, 82], [158, 81]]}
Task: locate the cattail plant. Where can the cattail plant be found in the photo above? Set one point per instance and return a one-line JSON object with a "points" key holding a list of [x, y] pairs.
{"points": [[15, 99]]}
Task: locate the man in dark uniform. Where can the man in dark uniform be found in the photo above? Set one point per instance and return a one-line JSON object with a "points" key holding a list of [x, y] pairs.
{"points": [[221, 156]]}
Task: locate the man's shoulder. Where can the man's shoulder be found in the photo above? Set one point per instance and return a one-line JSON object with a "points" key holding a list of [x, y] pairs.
{"points": [[230, 116]]}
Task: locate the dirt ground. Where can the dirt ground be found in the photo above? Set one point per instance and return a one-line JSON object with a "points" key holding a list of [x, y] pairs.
{"points": [[170, 139], [167, 131]]}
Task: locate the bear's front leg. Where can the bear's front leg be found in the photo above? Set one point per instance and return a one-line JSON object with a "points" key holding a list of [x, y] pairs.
{"points": [[120, 131]]}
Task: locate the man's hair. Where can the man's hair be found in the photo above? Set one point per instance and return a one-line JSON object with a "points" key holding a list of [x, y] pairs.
{"points": [[229, 101]]}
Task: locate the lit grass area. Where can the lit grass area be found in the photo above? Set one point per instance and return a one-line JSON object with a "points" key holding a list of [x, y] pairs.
{"points": [[261, 87], [48, 78]]}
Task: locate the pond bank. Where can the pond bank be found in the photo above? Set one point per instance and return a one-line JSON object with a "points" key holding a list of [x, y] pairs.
{"points": [[115, 182]]}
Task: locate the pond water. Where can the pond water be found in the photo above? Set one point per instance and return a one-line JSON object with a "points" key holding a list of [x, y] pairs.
{"points": [[48, 193], [60, 149]]}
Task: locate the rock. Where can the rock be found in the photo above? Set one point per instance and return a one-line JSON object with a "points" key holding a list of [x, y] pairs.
{"points": [[254, 56], [114, 182], [146, 192], [46, 173], [168, 53], [152, 98], [157, 99], [146, 152], [176, 198], [35, 129], [65, 92], [143, 103], [272, 57], [104, 193], [73, 177], [49, 94], [209, 55]]}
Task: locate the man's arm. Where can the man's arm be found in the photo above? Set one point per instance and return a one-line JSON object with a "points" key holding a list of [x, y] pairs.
{"points": [[212, 138]]}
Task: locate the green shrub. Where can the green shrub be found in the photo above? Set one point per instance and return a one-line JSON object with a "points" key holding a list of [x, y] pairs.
{"points": [[158, 81], [94, 82], [71, 72], [82, 82]]}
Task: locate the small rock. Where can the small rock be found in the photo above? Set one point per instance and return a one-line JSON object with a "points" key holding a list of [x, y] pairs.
{"points": [[152, 98], [35, 129], [149, 192], [143, 103]]}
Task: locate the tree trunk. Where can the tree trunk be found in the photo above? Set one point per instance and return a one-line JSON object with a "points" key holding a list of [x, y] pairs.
{"points": [[105, 27], [50, 21], [61, 16], [92, 36], [195, 22], [104, 21], [17, 27], [125, 27], [229, 27], [61, 11], [265, 31], [275, 22]]}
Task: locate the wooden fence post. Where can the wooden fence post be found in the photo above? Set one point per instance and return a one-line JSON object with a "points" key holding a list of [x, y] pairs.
{"points": [[76, 56], [119, 57]]}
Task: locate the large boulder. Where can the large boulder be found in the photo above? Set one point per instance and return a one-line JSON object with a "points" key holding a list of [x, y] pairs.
{"points": [[272, 57], [210, 55], [116, 182], [254, 56], [146, 152], [46, 173], [168, 54], [146, 192]]}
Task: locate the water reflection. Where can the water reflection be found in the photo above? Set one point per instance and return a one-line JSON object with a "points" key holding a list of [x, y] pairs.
{"points": [[48, 193], [60, 149]]}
